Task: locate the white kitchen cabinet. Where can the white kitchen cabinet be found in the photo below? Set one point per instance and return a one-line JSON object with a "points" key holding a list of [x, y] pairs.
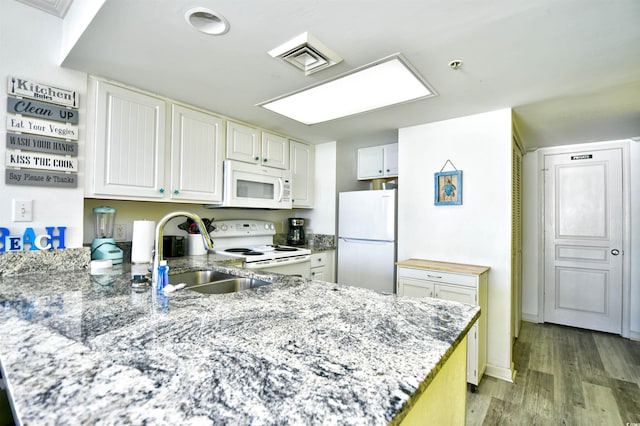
{"points": [[377, 162], [131, 157], [319, 266], [322, 266], [127, 158], [197, 154], [275, 151], [243, 143], [456, 282], [250, 145], [302, 166]]}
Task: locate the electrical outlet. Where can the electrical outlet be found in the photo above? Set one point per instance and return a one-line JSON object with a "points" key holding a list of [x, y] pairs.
{"points": [[22, 210], [120, 231]]}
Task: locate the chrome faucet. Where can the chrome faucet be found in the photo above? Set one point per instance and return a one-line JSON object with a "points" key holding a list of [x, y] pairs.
{"points": [[158, 255]]}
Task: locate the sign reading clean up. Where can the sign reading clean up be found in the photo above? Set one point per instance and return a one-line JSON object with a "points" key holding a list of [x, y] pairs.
{"points": [[41, 127], [41, 110], [30, 89]]}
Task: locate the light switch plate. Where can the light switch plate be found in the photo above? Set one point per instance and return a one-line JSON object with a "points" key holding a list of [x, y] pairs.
{"points": [[22, 210]]}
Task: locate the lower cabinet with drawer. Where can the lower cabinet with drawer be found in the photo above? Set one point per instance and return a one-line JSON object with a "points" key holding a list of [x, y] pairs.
{"points": [[322, 266], [460, 283]]}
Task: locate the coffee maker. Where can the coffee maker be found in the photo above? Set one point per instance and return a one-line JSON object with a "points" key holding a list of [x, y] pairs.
{"points": [[295, 236]]}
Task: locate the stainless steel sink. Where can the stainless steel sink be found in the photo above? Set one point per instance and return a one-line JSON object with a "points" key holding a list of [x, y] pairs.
{"points": [[214, 282]]}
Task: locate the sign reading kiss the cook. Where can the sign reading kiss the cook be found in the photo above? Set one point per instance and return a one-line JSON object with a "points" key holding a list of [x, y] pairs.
{"points": [[42, 120]]}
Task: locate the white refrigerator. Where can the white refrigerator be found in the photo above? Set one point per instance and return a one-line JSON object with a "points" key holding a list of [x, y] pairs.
{"points": [[367, 239]]}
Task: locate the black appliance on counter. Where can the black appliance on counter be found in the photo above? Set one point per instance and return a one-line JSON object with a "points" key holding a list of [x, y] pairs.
{"points": [[295, 235]]}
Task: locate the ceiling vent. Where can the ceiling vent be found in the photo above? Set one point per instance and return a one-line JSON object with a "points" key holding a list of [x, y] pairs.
{"points": [[306, 53], [55, 7]]}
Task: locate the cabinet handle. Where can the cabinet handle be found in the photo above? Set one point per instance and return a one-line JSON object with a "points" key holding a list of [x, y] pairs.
{"points": [[161, 190], [434, 276], [380, 171], [257, 158], [313, 274], [175, 191], [388, 170], [264, 160]]}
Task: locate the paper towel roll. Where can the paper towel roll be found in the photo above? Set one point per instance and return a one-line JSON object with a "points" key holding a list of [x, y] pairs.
{"points": [[142, 241]]}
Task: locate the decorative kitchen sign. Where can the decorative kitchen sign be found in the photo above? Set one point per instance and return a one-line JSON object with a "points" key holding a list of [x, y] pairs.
{"points": [[41, 161], [30, 241], [41, 127], [40, 144], [448, 186], [41, 110], [35, 178], [37, 131], [30, 89]]}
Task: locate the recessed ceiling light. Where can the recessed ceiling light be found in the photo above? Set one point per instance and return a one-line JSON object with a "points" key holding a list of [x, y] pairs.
{"points": [[455, 64], [207, 21], [388, 81]]}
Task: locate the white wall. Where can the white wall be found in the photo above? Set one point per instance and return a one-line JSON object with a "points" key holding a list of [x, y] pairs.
{"points": [[476, 232], [29, 48], [532, 281], [322, 218], [634, 232]]}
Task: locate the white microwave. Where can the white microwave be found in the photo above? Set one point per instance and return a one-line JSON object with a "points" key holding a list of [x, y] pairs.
{"points": [[255, 186]]}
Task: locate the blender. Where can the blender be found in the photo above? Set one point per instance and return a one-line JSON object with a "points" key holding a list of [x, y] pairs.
{"points": [[104, 245]]}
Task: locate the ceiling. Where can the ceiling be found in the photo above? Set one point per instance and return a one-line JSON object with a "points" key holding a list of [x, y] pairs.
{"points": [[569, 69]]}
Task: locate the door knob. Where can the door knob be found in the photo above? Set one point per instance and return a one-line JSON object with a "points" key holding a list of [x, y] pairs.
{"points": [[615, 252]]}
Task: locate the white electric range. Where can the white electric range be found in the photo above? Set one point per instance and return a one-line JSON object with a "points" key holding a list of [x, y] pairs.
{"points": [[253, 241]]}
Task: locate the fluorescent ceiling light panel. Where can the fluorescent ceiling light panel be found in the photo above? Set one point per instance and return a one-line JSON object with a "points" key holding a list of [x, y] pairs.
{"points": [[386, 82]]}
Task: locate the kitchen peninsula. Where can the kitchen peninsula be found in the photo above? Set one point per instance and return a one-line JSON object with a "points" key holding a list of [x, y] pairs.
{"points": [[85, 349]]}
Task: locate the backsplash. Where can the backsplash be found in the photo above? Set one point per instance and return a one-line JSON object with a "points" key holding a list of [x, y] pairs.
{"points": [[314, 241]]}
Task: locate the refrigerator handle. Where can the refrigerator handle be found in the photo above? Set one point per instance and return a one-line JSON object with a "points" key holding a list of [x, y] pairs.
{"points": [[359, 241]]}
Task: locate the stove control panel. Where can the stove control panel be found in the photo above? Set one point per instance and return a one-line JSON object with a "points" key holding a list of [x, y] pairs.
{"points": [[238, 227]]}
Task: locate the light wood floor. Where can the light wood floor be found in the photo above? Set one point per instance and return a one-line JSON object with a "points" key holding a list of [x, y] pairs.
{"points": [[565, 376]]}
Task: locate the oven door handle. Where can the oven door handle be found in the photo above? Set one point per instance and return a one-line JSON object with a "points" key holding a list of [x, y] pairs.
{"points": [[271, 263]]}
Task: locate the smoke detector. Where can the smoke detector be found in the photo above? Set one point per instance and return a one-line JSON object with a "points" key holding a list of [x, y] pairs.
{"points": [[306, 53]]}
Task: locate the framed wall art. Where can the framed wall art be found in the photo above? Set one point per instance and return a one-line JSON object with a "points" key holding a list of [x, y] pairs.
{"points": [[448, 188]]}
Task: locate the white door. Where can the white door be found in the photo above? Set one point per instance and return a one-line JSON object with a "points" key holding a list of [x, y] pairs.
{"points": [[583, 240], [130, 143], [367, 215], [243, 143], [197, 151], [367, 264]]}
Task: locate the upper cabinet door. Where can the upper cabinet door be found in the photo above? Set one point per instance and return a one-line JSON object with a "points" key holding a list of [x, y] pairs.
{"points": [[391, 160], [275, 151], [371, 162], [197, 154], [302, 174], [128, 156], [243, 143]]}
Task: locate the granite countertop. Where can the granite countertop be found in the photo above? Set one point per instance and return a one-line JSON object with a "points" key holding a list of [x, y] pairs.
{"points": [[82, 349]]}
